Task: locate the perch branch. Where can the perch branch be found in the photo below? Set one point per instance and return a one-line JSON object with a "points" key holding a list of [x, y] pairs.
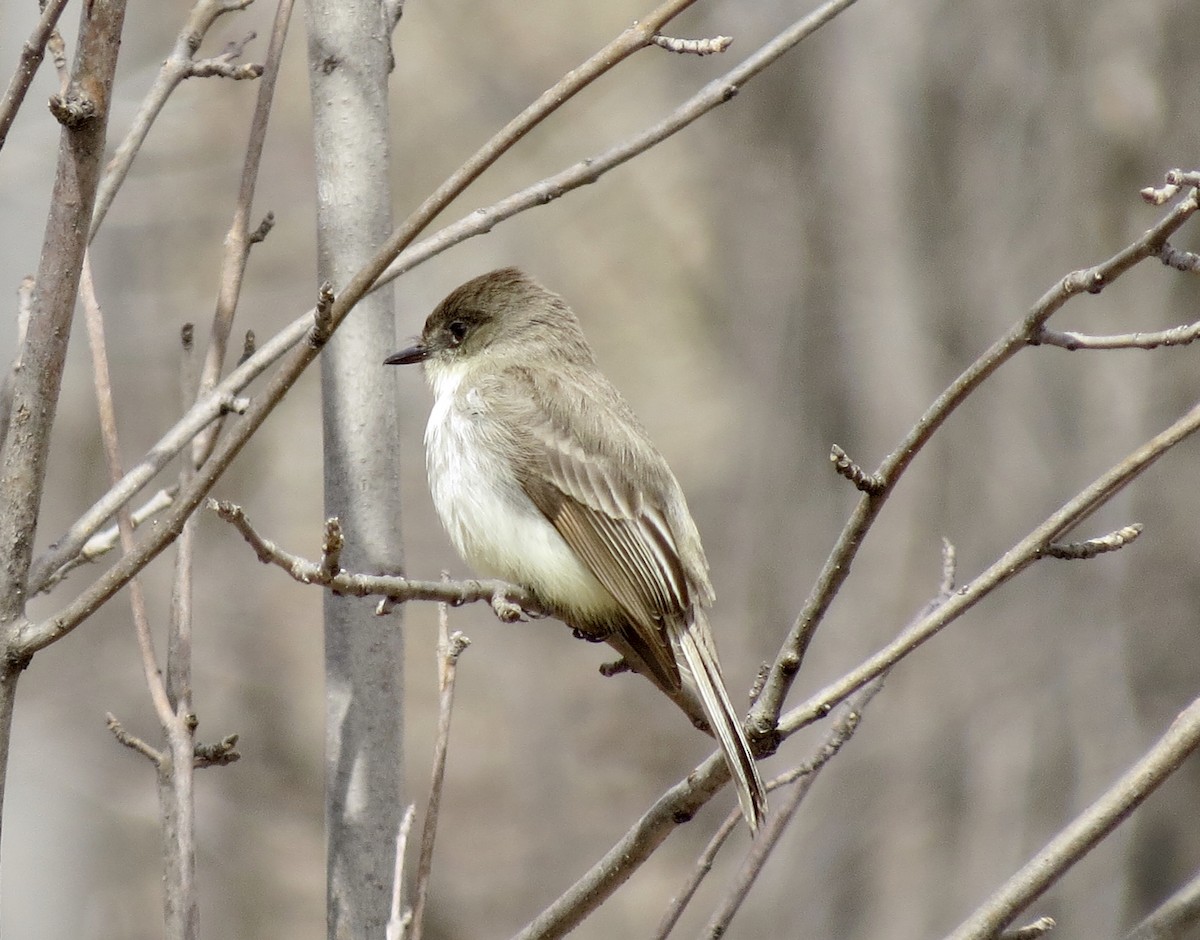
{"points": [[508, 601]]}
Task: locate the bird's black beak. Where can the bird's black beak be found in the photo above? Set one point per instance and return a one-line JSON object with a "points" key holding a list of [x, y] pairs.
{"points": [[417, 353]]}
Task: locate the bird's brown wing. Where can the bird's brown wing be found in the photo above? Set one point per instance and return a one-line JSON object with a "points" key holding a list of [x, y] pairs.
{"points": [[611, 503]]}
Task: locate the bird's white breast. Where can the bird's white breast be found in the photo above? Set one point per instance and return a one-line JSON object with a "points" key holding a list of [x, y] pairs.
{"points": [[495, 527]]}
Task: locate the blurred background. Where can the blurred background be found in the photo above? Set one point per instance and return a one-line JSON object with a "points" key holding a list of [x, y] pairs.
{"points": [[810, 264]]}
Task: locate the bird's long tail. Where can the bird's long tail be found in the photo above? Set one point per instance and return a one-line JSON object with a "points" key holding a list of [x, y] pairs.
{"points": [[695, 643]]}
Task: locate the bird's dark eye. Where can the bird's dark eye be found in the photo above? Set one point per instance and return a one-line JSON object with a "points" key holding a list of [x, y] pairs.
{"points": [[457, 330]]}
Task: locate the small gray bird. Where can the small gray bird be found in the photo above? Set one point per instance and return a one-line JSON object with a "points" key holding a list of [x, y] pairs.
{"points": [[543, 477]]}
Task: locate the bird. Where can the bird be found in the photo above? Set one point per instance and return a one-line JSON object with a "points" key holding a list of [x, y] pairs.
{"points": [[543, 477]]}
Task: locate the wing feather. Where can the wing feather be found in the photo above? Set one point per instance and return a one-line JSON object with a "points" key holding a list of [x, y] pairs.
{"points": [[591, 470]]}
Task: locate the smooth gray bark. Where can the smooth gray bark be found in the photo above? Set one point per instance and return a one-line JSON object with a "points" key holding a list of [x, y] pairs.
{"points": [[349, 59]]}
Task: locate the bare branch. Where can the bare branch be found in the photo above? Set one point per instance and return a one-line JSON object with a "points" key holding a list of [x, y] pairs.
{"points": [[700, 871], [837, 566], [1087, 829], [841, 732], [106, 540], [1014, 561], [32, 53], [208, 408], [590, 169], [680, 802], [205, 411], [94, 321]]}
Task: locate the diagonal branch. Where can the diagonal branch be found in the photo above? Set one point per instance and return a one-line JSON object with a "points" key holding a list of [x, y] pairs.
{"points": [[764, 715], [1031, 548], [1086, 831], [32, 53]]}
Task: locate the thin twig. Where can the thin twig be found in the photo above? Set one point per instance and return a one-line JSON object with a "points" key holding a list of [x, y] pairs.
{"points": [[717, 92], [203, 413], [400, 917], [700, 871], [179, 632], [450, 647], [93, 318], [1086, 830], [106, 540], [32, 53]]}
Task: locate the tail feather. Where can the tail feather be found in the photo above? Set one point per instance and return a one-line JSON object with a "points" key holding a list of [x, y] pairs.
{"points": [[723, 720]]}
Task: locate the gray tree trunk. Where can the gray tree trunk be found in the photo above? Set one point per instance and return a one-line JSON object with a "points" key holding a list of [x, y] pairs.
{"points": [[349, 59]]}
